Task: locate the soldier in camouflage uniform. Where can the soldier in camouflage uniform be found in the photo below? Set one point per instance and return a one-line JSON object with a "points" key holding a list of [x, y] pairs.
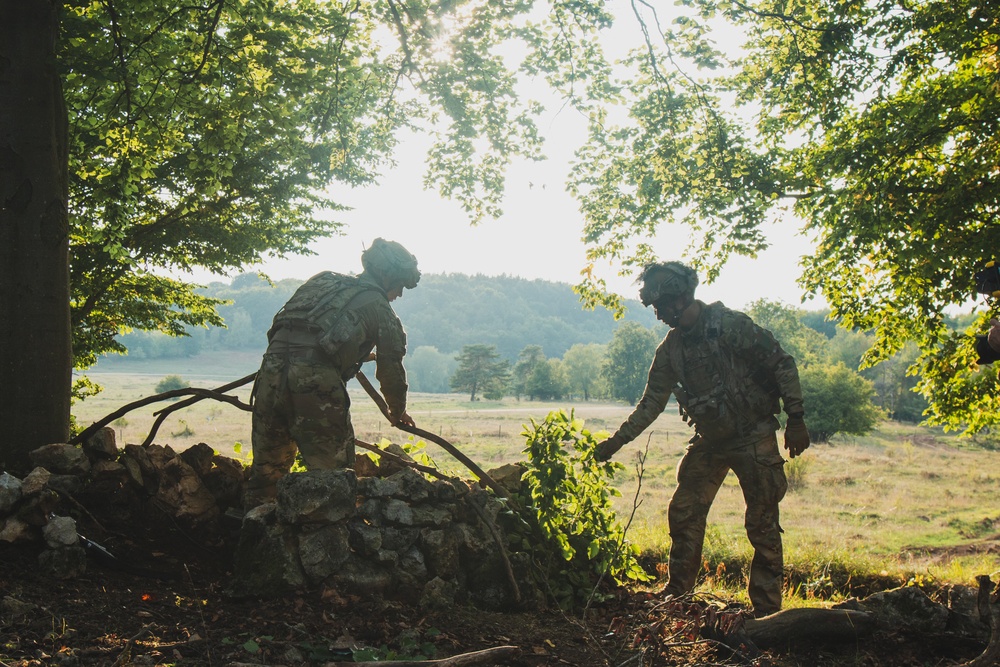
{"points": [[317, 342], [728, 375]]}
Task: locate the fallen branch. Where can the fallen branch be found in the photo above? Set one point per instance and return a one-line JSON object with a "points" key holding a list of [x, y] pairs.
{"points": [[807, 624], [503, 550], [163, 413], [395, 458], [199, 394], [489, 656], [436, 439]]}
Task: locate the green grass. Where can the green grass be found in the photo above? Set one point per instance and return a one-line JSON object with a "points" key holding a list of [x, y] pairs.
{"points": [[902, 503]]}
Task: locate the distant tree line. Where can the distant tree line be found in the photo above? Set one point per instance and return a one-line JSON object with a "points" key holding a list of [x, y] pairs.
{"points": [[493, 337]]}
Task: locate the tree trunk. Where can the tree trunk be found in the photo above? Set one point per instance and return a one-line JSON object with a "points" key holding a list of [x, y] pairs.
{"points": [[35, 335]]}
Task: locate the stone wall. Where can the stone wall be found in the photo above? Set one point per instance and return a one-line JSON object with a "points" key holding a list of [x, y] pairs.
{"points": [[392, 532], [400, 536]]}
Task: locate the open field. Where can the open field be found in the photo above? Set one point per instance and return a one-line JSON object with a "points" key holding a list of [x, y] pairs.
{"points": [[904, 501]]}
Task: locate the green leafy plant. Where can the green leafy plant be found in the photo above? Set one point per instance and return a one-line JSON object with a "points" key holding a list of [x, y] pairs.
{"points": [[171, 383], [575, 537]]}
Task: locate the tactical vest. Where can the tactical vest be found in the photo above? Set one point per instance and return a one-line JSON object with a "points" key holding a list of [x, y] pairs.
{"points": [[324, 314], [719, 393]]}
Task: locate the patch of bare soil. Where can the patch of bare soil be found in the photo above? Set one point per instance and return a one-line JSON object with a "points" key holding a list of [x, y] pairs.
{"points": [[163, 602]]}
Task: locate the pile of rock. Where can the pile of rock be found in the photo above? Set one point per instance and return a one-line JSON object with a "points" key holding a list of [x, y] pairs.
{"points": [[433, 542], [392, 532], [192, 488]]}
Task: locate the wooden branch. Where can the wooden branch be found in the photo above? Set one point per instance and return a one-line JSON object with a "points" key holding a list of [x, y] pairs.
{"points": [[989, 609], [806, 623], [503, 550], [199, 393], [436, 439], [163, 413], [403, 462], [489, 656]]}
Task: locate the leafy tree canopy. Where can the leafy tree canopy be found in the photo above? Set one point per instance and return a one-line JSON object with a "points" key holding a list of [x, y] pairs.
{"points": [[209, 135], [876, 123]]}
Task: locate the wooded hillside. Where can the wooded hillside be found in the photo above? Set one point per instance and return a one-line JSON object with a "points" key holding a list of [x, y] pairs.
{"points": [[445, 311]]}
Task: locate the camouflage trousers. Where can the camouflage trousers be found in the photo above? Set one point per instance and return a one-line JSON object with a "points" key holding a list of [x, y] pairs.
{"points": [[759, 468], [300, 403]]}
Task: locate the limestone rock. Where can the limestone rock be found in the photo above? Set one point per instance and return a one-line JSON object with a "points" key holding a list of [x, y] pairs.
{"points": [[10, 492], [61, 458], [102, 445], [317, 496]]}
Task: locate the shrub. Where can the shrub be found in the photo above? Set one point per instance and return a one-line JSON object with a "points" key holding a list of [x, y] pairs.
{"points": [[575, 537], [170, 383], [837, 400]]}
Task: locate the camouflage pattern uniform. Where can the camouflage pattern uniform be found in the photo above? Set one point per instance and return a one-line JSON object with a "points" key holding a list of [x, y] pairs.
{"points": [[318, 341], [727, 374]]}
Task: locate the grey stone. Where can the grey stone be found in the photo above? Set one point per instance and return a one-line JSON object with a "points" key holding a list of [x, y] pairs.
{"points": [[365, 538], [102, 445], [10, 492], [413, 564], [35, 482], [59, 532], [396, 511], [61, 458], [387, 556], [441, 550], [266, 563], [317, 496], [429, 515], [508, 476], [159, 455], [410, 485], [36, 509], [371, 511], [199, 457], [399, 539], [17, 531], [71, 484], [363, 577], [322, 550], [225, 481], [182, 489], [140, 467]]}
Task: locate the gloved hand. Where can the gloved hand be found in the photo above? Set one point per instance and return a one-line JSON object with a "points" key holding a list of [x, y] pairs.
{"points": [[403, 420], [796, 435], [607, 448]]}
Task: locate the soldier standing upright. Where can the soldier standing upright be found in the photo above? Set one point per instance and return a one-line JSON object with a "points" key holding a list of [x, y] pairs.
{"points": [[728, 375], [317, 342]]}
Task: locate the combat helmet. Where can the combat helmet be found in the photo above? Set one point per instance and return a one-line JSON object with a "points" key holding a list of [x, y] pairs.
{"points": [[391, 263], [666, 279]]}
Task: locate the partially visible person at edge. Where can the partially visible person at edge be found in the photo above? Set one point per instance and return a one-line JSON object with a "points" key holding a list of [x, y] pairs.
{"points": [[988, 346], [317, 342], [727, 374]]}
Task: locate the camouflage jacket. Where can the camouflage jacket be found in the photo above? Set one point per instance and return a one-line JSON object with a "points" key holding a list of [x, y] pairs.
{"points": [[727, 374], [342, 319]]}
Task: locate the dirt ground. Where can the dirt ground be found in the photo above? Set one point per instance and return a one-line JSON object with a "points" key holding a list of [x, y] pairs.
{"points": [[171, 609]]}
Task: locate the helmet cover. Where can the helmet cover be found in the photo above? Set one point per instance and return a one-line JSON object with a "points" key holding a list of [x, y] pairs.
{"points": [[391, 263], [666, 279]]}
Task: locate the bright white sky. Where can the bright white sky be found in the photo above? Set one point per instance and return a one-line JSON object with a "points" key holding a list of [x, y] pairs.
{"points": [[539, 235]]}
